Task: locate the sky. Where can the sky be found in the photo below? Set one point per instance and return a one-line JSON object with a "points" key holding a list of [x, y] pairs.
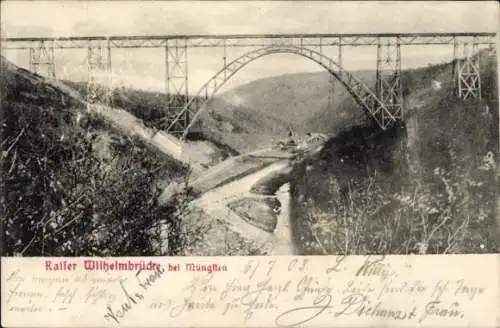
{"points": [[145, 68]]}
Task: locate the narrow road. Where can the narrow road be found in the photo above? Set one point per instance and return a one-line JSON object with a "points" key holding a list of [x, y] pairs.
{"points": [[214, 203]]}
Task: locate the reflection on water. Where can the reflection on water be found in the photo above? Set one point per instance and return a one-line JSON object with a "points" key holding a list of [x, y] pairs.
{"points": [[283, 229]]}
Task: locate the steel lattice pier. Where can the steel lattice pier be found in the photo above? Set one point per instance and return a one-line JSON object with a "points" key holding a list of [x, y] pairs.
{"points": [[384, 102]]}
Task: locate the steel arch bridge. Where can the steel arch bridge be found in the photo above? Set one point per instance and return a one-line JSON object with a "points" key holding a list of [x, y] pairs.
{"points": [[382, 114], [384, 102]]}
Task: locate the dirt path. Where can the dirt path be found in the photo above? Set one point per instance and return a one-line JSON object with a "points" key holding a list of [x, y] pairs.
{"points": [[214, 204]]}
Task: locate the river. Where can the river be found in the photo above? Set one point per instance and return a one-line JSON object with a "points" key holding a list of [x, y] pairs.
{"points": [[214, 203]]}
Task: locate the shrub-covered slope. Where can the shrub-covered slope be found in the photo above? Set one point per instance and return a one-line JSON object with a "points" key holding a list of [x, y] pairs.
{"points": [[426, 187], [71, 184]]}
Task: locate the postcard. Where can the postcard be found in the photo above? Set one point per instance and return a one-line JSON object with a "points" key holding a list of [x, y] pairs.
{"points": [[250, 164]]}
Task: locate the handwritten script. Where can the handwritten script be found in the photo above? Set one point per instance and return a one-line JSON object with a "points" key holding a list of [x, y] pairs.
{"points": [[283, 292]]}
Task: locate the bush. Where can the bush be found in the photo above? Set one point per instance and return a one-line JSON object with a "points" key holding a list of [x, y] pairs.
{"points": [[459, 218], [429, 190], [63, 194]]}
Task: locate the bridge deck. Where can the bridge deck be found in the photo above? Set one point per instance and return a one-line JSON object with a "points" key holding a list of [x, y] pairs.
{"points": [[248, 40]]}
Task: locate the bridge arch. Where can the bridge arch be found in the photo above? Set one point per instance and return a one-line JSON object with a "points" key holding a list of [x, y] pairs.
{"points": [[374, 107]]}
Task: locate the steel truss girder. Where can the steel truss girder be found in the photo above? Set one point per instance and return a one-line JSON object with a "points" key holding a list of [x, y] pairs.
{"points": [[467, 71], [369, 101], [42, 55], [388, 82], [177, 82], [99, 80], [254, 40]]}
